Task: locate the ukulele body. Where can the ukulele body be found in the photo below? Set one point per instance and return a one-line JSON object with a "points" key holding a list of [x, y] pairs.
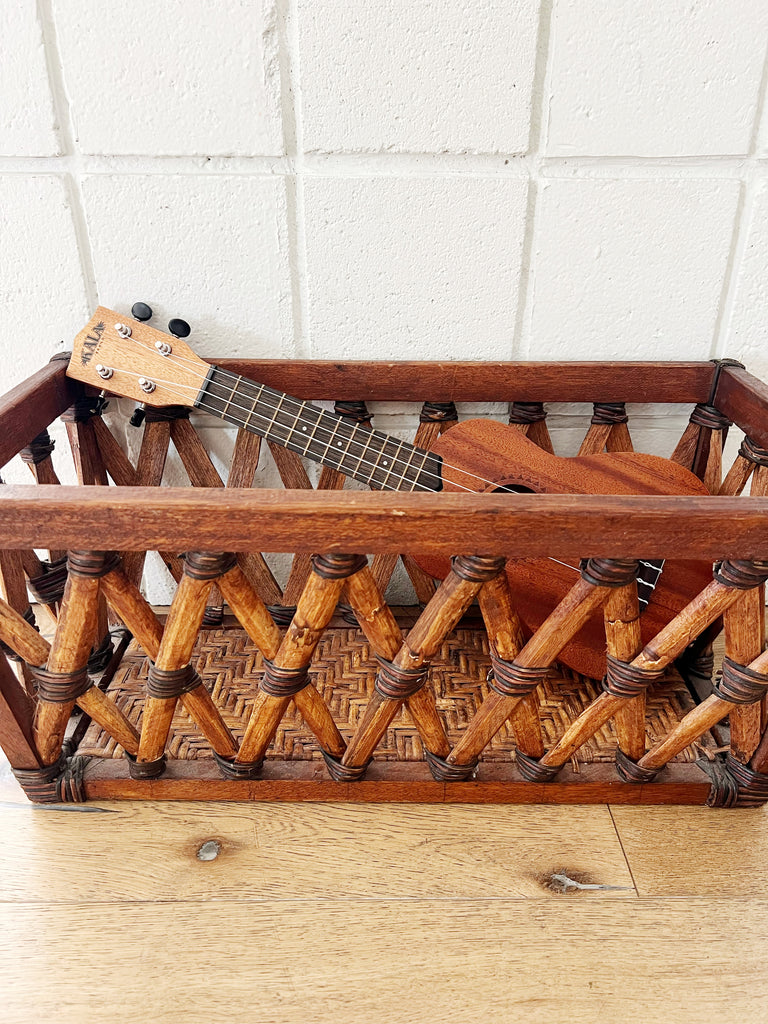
{"points": [[493, 451]]}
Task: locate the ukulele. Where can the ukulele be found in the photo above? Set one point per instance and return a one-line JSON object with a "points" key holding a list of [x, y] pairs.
{"points": [[129, 358]]}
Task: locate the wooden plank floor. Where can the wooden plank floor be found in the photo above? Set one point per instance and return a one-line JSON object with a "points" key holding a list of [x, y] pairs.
{"points": [[396, 914]]}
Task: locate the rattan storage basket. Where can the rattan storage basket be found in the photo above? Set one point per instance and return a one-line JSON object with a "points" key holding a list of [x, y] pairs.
{"points": [[320, 690]]}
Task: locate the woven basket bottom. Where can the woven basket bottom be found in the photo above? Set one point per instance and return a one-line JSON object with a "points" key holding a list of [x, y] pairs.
{"points": [[344, 670]]}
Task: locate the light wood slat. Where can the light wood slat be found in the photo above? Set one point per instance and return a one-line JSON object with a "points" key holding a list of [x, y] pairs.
{"points": [[149, 474], [85, 453], [583, 961], [116, 462], [245, 461], [294, 476], [694, 851], [272, 852]]}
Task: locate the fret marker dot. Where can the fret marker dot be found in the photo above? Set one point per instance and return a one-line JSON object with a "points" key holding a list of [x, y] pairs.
{"points": [[339, 443], [384, 462], [304, 428]]}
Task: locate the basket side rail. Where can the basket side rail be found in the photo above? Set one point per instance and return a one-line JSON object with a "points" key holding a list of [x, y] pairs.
{"points": [[31, 406], [480, 381], [518, 526]]}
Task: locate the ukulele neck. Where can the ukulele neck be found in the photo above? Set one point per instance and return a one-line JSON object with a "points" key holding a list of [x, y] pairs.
{"points": [[356, 450]]}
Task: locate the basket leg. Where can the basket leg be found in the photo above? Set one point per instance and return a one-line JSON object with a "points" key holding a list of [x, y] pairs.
{"points": [[14, 589], [250, 610], [245, 461], [505, 635], [608, 430], [647, 667], [743, 625], [406, 674], [70, 650], [386, 638], [542, 649], [172, 678], [255, 618], [149, 473], [286, 676], [64, 681], [624, 642], [434, 419], [16, 715], [530, 418], [22, 638]]}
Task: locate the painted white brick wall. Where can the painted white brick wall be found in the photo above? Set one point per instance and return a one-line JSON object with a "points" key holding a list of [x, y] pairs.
{"points": [[413, 78], [657, 78], [543, 179], [630, 268], [172, 77], [390, 259]]}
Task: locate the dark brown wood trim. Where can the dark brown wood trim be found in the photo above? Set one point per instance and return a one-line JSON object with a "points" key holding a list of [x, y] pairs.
{"points": [[394, 782], [520, 525], [744, 400], [32, 405], [481, 381]]}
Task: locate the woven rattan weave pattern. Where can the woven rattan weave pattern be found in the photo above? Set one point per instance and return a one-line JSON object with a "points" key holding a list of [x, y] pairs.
{"points": [[344, 672]]}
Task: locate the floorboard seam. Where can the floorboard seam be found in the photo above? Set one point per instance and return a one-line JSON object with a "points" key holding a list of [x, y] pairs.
{"points": [[623, 851]]}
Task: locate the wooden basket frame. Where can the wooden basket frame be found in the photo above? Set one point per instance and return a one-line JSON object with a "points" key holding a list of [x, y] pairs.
{"points": [[563, 526]]}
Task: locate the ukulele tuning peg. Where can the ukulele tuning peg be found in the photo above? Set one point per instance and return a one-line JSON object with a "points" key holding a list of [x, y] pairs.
{"points": [[179, 328], [141, 311]]}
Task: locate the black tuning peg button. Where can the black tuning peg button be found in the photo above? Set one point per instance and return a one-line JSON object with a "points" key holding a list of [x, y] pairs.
{"points": [[179, 328], [141, 311]]}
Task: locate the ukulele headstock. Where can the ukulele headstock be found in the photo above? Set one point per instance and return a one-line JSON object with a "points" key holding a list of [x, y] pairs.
{"points": [[127, 357]]}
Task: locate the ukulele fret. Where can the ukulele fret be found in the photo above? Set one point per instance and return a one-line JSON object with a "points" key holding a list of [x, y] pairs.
{"points": [[247, 423], [232, 393], [324, 458], [393, 462]]}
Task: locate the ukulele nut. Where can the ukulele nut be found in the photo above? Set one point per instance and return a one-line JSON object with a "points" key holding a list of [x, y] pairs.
{"points": [[105, 372], [123, 330], [163, 348], [147, 385]]}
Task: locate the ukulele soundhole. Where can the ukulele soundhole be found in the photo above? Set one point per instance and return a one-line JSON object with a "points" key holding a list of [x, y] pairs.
{"points": [[513, 489]]}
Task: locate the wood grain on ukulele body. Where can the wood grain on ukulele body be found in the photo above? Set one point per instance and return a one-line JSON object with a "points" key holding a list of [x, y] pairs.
{"points": [[129, 358]]}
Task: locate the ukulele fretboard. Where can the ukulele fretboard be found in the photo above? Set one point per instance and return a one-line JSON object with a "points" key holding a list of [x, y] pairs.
{"points": [[367, 455]]}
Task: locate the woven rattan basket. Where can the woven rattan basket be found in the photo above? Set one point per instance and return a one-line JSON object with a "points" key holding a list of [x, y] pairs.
{"points": [[320, 690]]}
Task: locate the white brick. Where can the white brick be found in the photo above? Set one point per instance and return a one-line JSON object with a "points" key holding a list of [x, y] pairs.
{"points": [[206, 248], [172, 77], [629, 269], [405, 77], [27, 120], [657, 78], [44, 302], [747, 337], [416, 268]]}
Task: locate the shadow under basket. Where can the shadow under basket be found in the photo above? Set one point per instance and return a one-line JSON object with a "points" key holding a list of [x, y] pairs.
{"points": [[319, 689]]}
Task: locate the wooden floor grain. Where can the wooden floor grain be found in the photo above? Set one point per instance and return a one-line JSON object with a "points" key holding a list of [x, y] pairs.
{"points": [[387, 913]]}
